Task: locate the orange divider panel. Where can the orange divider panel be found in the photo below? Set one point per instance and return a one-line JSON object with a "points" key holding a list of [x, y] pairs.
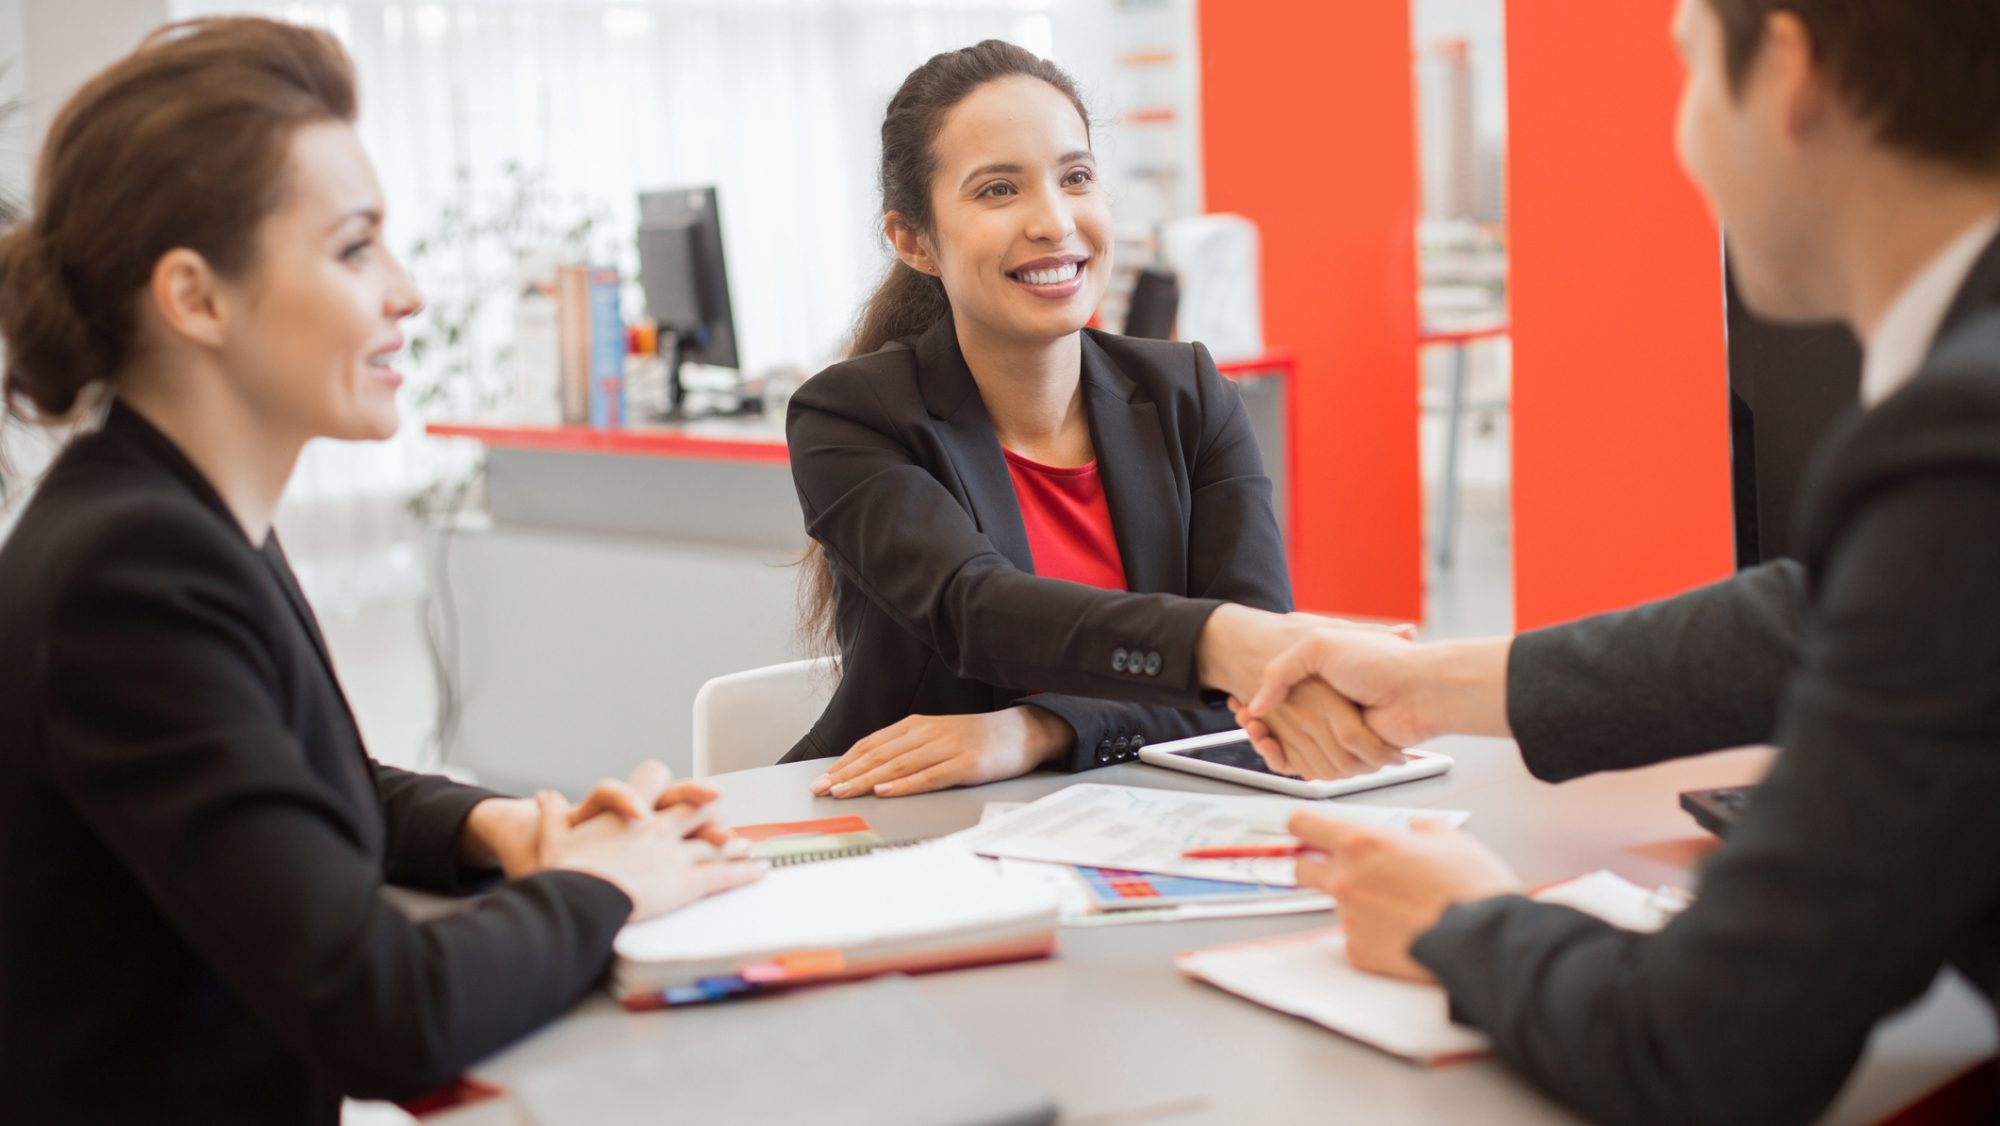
{"points": [[1309, 129], [1621, 407]]}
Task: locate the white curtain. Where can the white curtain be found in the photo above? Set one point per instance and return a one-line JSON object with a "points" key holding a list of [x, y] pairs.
{"points": [[776, 102]]}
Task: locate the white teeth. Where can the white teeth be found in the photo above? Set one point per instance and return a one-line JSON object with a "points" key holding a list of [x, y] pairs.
{"points": [[1057, 276]]}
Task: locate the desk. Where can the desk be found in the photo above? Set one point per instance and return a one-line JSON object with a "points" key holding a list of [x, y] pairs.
{"points": [[1110, 1028], [614, 572], [618, 570]]}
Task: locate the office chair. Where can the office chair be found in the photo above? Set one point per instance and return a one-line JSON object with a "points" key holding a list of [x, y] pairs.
{"points": [[752, 718]]}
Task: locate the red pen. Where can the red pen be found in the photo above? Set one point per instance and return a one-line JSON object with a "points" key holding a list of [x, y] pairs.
{"points": [[1243, 852]]}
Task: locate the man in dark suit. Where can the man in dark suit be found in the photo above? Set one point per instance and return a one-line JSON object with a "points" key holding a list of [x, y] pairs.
{"points": [[1852, 152]]}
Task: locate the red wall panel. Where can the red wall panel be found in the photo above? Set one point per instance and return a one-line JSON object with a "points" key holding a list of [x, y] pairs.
{"points": [[1308, 128], [1621, 416]]}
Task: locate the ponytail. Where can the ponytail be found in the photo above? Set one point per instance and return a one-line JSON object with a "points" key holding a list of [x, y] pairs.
{"points": [[52, 355], [908, 302]]}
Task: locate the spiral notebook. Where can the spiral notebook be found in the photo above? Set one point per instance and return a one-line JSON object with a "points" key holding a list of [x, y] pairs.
{"points": [[927, 907]]}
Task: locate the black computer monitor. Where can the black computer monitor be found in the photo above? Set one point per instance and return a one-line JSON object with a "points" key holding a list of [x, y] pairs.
{"points": [[1787, 387], [686, 281], [1156, 299]]}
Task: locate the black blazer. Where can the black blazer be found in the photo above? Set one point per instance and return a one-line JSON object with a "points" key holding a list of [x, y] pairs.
{"points": [[192, 926], [937, 610], [1866, 862]]}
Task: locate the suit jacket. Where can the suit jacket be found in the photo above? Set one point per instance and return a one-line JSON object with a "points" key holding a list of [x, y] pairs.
{"points": [[1865, 864], [937, 607], [192, 926]]}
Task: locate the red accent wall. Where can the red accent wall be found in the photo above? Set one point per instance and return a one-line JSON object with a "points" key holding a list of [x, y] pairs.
{"points": [[1621, 402], [1309, 128]]}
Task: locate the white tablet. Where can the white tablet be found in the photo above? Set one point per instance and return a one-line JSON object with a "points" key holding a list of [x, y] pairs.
{"points": [[1229, 756]]}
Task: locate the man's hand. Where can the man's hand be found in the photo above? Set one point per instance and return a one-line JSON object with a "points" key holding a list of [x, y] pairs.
{"points": [[1315, 733], [1407, 693], [926, 752], [1320, 735], [1390, 886], [1238, 643]]}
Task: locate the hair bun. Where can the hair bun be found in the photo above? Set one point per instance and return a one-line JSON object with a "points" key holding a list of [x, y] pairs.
{"points": [[50, 356]]}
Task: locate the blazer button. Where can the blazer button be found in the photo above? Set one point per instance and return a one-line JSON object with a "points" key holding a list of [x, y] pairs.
{"points": [[1118, 660], [1104, 746], [1152, 664], [1137, 742], [1121, 746]]}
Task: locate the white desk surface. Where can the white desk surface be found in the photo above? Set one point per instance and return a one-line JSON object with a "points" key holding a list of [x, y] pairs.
{"points": [[1117, 1035]]}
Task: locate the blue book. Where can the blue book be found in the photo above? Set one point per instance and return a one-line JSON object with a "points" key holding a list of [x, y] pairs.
{"points": [[607, 351]]}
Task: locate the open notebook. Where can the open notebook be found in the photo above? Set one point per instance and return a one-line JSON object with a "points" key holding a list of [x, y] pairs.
{"points": [[930, 907], [1308, 975]]}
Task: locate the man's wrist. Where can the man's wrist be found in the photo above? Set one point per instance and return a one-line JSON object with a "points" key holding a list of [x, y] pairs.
{"points": [[1464, 687]]}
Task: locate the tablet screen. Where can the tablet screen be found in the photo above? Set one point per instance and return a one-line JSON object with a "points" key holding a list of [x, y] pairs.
{"points": [[1239, 755]]}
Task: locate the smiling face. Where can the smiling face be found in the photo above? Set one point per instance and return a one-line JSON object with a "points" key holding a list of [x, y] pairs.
{"points": [[318, 311], [1021, 228]]}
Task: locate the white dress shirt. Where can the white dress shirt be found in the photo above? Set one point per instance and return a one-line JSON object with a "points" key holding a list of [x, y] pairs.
{"points": [[1910, 327]]}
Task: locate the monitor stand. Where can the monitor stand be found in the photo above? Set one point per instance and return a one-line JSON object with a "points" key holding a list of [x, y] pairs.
{"points": [[677, 408]]}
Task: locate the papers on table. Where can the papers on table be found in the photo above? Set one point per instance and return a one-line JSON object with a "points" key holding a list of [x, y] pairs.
{"points": [[1146, 830], [1308, 975]]}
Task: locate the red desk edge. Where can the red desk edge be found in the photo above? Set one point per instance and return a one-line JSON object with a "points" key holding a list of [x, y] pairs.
{"points": [[667, 441], [641, 442]]}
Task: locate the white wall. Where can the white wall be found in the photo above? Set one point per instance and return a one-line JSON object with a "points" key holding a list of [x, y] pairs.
{"points": [[70, 40], [56, 46], [14, 151]]}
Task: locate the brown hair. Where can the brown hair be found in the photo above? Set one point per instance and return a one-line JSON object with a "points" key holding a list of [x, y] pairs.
{"points": [[1927, 71], [182, 143], [909, 302]]}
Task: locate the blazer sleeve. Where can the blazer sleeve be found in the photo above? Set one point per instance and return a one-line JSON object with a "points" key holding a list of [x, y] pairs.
{"points": [[426, 816], [907, 545], [165, 732], [1858, 871], [1686, 675], [1235, 554]]}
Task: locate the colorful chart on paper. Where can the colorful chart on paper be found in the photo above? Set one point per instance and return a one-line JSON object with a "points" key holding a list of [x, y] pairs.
{"points": [[1113, 889]]}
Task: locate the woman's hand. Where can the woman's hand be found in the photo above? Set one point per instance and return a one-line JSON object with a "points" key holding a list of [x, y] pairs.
{"points": [[504, 833], [658, 860], [1390, 886], [934, 752]]}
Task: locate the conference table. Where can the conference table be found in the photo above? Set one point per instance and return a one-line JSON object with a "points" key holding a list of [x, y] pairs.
{"points": [[1115, 1034]]}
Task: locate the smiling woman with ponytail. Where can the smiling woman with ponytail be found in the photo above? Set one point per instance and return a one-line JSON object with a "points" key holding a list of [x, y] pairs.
{"points": [[1023, 528]]}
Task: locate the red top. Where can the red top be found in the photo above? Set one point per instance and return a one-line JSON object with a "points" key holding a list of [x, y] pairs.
{"points": [[1068, 522]]}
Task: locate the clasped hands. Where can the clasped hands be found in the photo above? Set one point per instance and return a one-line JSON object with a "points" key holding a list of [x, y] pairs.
{"points": [[656, 840]]}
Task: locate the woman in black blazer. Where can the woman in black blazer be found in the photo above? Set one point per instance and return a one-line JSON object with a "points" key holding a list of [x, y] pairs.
{"points": [[192, 925], [921, 466]]}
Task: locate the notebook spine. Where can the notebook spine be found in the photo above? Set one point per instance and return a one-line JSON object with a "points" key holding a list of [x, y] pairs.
{"points": [[844, 852]]}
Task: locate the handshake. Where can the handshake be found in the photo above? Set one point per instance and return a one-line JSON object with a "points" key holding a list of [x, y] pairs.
{"points": [[1325, 698]]}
